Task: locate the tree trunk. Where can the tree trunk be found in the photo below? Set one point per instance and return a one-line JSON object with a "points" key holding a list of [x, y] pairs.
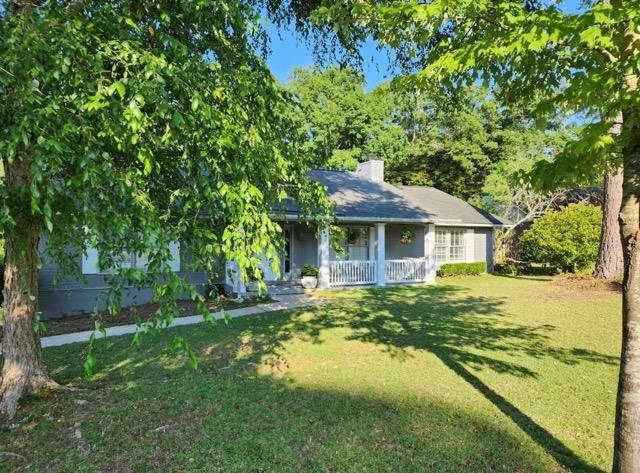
{"points": [[627, 430], [23, 370], [609, 264]]}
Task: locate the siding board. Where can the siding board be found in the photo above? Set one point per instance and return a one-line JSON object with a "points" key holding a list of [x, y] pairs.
{"points": [[60, 296]]}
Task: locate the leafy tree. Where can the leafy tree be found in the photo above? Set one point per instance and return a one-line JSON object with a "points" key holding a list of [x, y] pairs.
{"points": [[450, 147], [470, 145], [521, 146], [425, 138], [550, 59], [566, 239], [126, 126], [339, 121]]}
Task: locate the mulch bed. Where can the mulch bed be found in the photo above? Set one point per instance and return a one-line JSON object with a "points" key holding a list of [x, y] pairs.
{"points": [[586, 286], [140, 313]]}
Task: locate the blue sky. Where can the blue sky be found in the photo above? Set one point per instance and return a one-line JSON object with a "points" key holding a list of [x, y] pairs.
{"points": [[289, 51]]}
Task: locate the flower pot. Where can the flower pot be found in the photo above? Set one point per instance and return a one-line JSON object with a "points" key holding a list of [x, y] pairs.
{"points": [[309, 282], [404, 241]]}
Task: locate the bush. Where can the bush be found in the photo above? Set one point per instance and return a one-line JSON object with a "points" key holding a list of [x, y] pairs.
{"points": [[566, 239], [459, 269], [310, 270], [508, 268]]}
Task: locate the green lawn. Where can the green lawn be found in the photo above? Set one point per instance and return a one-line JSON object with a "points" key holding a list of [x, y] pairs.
{"points": [[478, 374]]}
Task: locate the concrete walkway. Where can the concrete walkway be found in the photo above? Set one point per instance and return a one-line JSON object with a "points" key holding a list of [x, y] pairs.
{"points": [[283, 302]]}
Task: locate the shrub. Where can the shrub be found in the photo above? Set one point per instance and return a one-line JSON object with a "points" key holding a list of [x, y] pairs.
{"points": [[566, 239], [310, 270], [508, 268], [459, 269]]}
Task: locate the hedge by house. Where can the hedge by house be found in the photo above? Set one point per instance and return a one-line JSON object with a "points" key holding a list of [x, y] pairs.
{"points": [[566, 239], [462, 269]]}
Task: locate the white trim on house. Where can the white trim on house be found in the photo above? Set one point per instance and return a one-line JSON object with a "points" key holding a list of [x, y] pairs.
{"points": [[380, 254], [232, 278], [323, 259], [441, 222], [430, 251], [469, 245], [90, 261], [450, 241]]}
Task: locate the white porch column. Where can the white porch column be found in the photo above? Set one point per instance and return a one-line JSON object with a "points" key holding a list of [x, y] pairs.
{"points": [[380, 254], [430, 252], [323, 258], [233, 279], [372, 244]]}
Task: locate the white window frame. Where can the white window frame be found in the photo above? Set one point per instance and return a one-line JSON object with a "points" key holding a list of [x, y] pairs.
{"points": [[348, 246], [445, 247], [90, 261]]}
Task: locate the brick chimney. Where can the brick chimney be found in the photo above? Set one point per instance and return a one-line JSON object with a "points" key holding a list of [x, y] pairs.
{"points": [[372, 169]]}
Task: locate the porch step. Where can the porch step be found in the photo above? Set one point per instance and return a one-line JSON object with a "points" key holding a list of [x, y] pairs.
{"points": [[280, 288]]}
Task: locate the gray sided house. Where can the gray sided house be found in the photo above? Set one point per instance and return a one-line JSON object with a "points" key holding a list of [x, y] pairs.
{"points": [[376, 218], [372, 249], [69, 296]]}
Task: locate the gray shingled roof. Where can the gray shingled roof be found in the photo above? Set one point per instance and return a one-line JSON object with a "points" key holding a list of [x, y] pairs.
{"points": [[358, 198], [449, 209]]}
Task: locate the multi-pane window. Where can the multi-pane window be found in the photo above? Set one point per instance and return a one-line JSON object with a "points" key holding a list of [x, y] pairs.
{"points": [[441, 245], [456, 245], [449, 245], [127, 260], [353, 245]]}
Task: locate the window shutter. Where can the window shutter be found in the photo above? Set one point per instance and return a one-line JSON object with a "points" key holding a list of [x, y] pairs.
{"points": [[469, 246], [174, 247], [90, 261]]}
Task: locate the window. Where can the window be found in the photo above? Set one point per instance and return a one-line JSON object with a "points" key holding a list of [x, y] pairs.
{"points": [[449, 245], [456, 245], [127, 260], [354, 244], [441, 245]]}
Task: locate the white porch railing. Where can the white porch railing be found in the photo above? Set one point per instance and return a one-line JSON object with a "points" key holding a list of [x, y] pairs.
{"points": [[405, 270], [347, 273]]}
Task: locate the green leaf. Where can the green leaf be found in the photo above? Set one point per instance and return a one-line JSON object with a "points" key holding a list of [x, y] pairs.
{"points": [[120, 87], [145, 158], [131, 23], [177, 120], [89, 364]]}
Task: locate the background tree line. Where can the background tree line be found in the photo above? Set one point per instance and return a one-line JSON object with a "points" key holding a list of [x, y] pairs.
{"points": [[468, 144]]}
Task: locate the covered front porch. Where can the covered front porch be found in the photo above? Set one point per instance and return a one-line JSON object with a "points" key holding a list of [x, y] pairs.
{"points": [[376, 254], [367, 253]]}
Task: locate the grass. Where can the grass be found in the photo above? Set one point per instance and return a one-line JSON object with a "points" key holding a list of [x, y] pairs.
{"points": [[484, 373]]}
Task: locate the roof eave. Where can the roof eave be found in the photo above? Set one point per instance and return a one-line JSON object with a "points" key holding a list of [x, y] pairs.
{"points": [[440, 222]]}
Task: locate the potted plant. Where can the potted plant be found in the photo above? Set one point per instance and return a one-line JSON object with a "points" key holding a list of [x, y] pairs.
{"points": [[309, 276], [407, 235], [352, 235]]}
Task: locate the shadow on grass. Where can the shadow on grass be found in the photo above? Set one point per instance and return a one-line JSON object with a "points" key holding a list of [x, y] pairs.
{"points": [[467, 333], [162, 417], [229, 415]]}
